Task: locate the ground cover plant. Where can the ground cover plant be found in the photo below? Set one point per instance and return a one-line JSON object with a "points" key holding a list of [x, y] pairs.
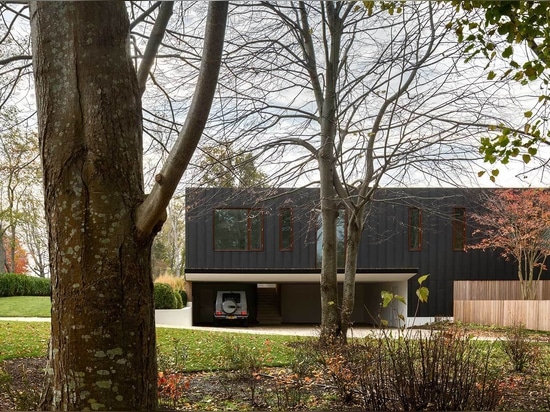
{"points": [[450, 368]]}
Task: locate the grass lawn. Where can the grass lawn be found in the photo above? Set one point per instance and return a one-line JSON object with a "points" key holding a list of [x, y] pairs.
{"points": [[25, 306], [190, 349], [23, 339]]}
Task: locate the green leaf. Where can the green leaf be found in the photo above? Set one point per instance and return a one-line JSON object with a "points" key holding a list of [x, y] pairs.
{"points": [[400, 299], [387, 297], [491, 75], [507, 52], [481, 173], [423, 278], [526, 158], [495, 172], [423, 294], [532, 151], [528, 113]]}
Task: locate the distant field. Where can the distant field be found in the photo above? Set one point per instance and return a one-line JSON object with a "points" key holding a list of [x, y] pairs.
{"points": [[25, 306]]}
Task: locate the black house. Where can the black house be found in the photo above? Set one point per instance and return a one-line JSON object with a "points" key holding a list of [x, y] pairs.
{"points": [[267, 243]]}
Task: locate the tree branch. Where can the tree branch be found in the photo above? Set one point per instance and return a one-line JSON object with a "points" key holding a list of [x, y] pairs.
{"points": [[14, 59], [155, 39], [153, 210], [144, 15]]}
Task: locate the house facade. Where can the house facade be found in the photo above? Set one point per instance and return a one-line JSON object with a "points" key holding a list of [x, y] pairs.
{"points": [[267, 242]]}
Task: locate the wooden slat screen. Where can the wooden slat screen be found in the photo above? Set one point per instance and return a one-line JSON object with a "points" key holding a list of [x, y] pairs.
{"points": [[499, 303]]}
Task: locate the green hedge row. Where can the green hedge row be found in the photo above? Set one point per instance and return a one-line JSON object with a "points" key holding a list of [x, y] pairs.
{"points": [[168, 298], [21, 285], [12, 284]]}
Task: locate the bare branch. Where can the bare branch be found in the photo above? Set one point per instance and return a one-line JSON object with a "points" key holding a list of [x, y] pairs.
{"points": [[153, 209], [12, 59], [155, 39]]}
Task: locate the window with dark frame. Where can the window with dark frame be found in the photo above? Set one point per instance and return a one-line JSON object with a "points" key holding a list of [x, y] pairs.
{"points": [[459, 229], [286, 231], [340, 240], [238, 229], [415, 229]]}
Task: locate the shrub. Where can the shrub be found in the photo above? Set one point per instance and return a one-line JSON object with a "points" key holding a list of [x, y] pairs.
{"points": [[12, 284], [179, 301], [183, 295], [39, 286], [519, 349], [165, 297], [441, 371]]}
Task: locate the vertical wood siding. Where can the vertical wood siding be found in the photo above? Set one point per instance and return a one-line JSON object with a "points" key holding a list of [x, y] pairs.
{"points": [[499, 303]]}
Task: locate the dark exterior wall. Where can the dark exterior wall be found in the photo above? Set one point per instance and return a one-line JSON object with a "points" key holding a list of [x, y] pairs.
{"points": [[199, 229], [384, 243]]}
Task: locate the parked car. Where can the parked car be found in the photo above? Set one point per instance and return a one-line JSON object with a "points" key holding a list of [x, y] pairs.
{"points": [[231, 306]]}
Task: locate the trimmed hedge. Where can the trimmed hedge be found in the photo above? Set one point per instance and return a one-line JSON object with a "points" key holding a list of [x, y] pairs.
{"points": [[12, 284], [165, 296]]}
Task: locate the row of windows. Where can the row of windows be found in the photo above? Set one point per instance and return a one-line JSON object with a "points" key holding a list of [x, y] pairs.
{"points": [[242, 229], [458, 229]]}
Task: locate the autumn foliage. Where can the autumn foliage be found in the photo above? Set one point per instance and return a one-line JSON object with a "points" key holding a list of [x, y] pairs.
{"points": [[517, 223], [21, 265]]}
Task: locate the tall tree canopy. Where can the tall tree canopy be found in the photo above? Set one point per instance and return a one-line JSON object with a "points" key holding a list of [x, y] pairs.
{"points": [[517, 33]]}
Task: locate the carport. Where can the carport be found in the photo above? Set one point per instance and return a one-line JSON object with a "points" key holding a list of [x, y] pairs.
{"points": [[293, 296]]}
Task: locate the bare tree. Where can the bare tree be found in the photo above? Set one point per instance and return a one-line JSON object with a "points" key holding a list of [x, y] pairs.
{"points": [[350, 97], [19, 180]]}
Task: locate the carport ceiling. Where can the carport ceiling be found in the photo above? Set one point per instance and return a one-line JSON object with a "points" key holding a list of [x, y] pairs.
{"points": [[295, 277]]}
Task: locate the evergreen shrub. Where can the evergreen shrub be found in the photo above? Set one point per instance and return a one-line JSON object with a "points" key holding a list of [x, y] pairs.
{"points": [[12, 284], [179, 301], [183, 295], [165, 296]]}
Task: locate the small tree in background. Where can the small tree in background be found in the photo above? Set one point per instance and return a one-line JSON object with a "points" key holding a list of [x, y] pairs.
{"points": [[20, 263], [517, 222]]}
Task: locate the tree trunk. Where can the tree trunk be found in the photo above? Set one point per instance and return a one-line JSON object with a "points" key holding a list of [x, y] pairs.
{"points": [[12, 241], [3, 262], [102, 351], [330, 319], [330, 311], [353, 237]]}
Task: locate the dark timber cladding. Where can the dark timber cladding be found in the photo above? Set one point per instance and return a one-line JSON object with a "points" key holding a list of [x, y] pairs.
{"points": [[422, 228]]}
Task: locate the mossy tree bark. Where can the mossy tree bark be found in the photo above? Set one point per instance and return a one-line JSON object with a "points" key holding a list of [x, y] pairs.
{"points": [[100, 223], [102, 350]]}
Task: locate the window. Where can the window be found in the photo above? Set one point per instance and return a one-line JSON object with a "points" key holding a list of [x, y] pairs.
{"points": [[286, 233], [459, 228], [340, 239], [238, 229], [415, 228]]}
